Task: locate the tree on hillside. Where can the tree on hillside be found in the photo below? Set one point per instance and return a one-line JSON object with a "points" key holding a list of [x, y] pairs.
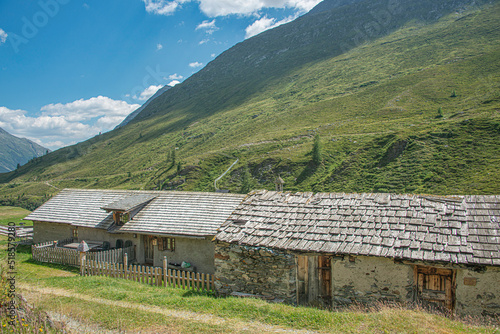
{"points": [[440, 113], [317, 150], [246, 181], [179, 168]]}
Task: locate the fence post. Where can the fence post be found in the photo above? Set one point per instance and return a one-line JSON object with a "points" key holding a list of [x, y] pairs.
{"points": [[82, 263], [125, 264], [165, 267], [82, 259]]}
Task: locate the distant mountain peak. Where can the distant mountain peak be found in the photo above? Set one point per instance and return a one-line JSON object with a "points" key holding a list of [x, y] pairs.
{"points": [[16, 151]]}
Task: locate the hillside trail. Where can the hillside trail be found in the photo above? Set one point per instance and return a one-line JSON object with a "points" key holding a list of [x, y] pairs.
{"points": [[33, 293]]}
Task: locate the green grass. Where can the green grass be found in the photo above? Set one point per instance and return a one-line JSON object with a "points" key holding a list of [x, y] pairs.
{"points": [[361, 102], [13, 214]]}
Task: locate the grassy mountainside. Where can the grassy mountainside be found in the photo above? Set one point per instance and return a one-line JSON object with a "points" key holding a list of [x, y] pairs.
{"points": [[410, 107], [14, 151]]}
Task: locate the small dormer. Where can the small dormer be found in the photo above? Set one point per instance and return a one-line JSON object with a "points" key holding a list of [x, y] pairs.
{"points": [[126, 208]]}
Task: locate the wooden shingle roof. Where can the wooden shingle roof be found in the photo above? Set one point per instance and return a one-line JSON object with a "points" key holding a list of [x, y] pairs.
{"points": [[166, 213], [460, 229], [184, 213], [128, 203]]}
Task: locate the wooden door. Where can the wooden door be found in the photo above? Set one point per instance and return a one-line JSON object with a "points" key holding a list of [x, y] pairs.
{"points": [[149, 253], [435, 286], [325, 278], [302, 280]]}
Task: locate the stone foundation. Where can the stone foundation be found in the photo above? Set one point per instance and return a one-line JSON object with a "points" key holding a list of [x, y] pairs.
{"points": [[255, 270]]}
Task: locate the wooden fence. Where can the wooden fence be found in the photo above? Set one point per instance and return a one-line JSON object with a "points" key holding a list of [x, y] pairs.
{"points": [[53, 252], [158, 276], [24, 233]]}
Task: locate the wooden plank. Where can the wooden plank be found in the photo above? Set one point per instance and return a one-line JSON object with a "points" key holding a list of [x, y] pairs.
{"points": [[302, 279], [420, 284], [158, 276], [170, 278]]}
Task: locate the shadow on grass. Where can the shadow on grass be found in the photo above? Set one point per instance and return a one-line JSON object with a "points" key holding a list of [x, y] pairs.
{"points": [[23, 249], [54, 266], [195, 293]]}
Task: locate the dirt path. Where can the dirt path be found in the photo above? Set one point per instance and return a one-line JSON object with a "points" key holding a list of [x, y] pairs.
{"points": [[31, 293]]}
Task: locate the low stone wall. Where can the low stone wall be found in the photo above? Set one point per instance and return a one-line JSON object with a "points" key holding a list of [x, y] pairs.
{"points": [[255, 270]]}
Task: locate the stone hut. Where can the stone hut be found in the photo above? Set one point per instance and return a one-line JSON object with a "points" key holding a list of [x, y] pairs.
{"points": [[336, 249]]}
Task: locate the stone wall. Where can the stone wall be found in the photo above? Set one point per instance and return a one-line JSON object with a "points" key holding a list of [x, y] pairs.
{"points": [[360, 279], [368, 279], [478, 292], [255, 270]]}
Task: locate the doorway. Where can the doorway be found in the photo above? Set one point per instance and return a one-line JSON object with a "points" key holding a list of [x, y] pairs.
{"points": [[149, 253], [435, 287]]}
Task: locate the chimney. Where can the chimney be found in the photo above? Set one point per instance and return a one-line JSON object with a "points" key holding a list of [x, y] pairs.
{"points": [[279, 183]]}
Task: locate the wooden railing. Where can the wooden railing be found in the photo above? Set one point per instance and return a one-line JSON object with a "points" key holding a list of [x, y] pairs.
{"points": [[158, 276], [23, 233], [52, 252]]}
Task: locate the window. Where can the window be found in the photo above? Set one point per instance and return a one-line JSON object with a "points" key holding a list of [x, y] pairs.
{"points": [[119, 243], [166, 244], [121, 218], [124, 218], [75, 233]]}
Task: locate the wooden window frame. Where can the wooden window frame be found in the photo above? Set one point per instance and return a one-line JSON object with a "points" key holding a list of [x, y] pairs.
{"points": [[166, 244], [120, 218]]}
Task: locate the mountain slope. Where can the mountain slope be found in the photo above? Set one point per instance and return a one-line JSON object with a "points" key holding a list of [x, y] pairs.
{"points": [[16, 151], [249, 67], [412, 107], [136, 112]]}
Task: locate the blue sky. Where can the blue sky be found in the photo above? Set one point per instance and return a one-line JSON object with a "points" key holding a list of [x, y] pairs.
{"points": [[70, 69]]}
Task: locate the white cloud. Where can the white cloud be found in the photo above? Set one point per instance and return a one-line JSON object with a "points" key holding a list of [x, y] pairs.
{"points": [[3, 36], [161, 7], [204, 41], [195, 64], [159, 47], [208, 26], [214, 8], [65, 124], [148, 92], [175, 76], [264, 24], [174, 82]]}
